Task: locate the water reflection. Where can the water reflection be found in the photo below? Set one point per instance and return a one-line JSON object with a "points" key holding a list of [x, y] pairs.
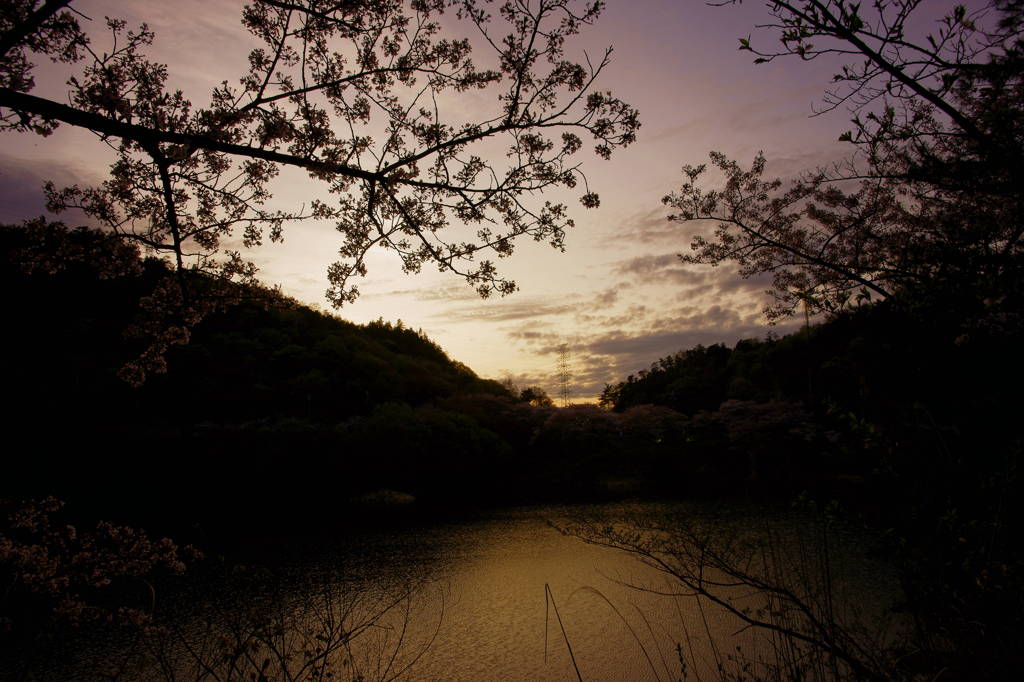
{"points": [[499, 626], [477, 601]]}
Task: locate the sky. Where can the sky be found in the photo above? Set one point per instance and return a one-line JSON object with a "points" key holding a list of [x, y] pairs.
{"points": [[618, 296]]}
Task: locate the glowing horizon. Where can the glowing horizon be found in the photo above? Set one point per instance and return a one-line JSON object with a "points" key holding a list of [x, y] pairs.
{"points": [[619, 296]]}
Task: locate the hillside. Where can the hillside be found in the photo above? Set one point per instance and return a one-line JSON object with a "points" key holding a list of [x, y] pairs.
{"points": [[266, 400]]}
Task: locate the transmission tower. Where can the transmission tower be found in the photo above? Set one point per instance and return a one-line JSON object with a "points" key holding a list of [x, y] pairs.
{"points": [[563, 373]]}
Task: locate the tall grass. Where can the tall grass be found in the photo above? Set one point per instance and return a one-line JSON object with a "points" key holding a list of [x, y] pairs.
{"points": [[777, 589], [312, 633]]}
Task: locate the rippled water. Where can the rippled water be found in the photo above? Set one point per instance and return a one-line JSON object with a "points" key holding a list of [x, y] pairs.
{"points": [[504, 596], [490, 578]]}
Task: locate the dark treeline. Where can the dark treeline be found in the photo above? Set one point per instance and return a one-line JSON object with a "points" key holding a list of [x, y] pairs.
{"points": [[275, 420], [272, 415], [910, 391], [273, 411], [267, 405], [908, 411]]}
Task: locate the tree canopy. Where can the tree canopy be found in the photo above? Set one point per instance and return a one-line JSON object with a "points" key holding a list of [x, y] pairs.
{"points": [[931, 199], [364, 97]]}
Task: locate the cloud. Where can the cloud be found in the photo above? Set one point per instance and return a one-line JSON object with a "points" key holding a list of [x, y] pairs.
{"points": [[645, 265], [725, 282], [659, 268], [504, 311], [532, 336], [632, 316], [632, 331], [749, 117], [716, 317], [685, 305], [728, 280], [605, 299], [612, 356], [790, 167], [647, 227], [21, 189], [652, 227], [453, 291]]}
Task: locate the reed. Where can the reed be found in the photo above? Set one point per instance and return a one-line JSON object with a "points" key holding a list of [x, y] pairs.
{"points": [[779, 589], [308, 634]]}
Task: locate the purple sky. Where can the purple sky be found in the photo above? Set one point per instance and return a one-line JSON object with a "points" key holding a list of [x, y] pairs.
{"points": [[619, 295]]}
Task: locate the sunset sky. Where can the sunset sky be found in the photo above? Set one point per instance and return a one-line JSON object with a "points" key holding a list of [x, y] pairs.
{"points": [[618, 296]]}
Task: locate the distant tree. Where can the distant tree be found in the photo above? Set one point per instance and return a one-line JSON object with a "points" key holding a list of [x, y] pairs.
{"points": [[933, 198], [609, 396], [362, 96], [688, 381], [509, 384], [536, 396]]}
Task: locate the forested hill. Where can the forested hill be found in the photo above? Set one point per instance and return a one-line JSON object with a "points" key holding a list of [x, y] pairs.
{"points": [[266, 357], [919, 380], [263, 371], [915, 403], [916, 398]]}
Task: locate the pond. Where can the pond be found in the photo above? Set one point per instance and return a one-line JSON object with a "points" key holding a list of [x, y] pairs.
{"points": [[507, 596]]}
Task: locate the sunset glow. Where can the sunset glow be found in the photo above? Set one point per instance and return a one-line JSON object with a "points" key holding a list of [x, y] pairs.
{"points": [[618, 295]]}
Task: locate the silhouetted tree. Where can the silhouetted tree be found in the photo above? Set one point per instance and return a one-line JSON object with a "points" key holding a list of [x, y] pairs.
{"points": [[689, 381], [355, 95], [931, 202], [259, 396], [536, 396], [927, 214]]}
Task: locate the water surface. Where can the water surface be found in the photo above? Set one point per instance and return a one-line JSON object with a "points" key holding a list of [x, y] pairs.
{"points": [[506, 596]]}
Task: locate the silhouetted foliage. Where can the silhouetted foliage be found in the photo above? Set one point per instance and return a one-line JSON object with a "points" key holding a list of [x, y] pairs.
{"points": [[57, 576], [354, 95], [536, 396], [907, 420], [251, 405], [434, 453], [689, 381], [929, 207]]}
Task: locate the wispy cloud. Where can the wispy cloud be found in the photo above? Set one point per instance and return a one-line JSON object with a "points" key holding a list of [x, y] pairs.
{"points": [[504, 311], [659, 268], [692, 280], [749, 117], [630, 317], [610, 357], [447, 292], [605, 299], [729, 280], [533, 336], [647, 227], [646, 265], [21, 189]]}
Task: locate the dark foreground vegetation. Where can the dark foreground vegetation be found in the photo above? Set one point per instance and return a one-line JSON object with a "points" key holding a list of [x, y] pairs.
{"points": [[275, 419], [273, 412], [899, 410], [902, 415]]}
